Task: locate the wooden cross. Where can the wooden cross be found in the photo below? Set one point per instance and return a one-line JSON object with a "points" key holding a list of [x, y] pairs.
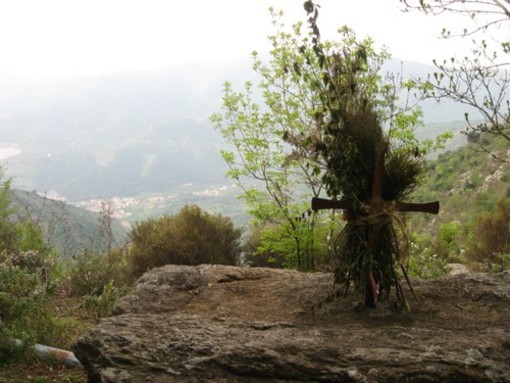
{"points": [[376, 208]]}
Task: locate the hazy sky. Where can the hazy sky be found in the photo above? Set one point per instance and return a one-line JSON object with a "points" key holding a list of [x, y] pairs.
{"points": [[58, 38]]}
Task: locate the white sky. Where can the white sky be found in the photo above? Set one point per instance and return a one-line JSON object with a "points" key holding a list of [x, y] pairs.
{"points": [[58, 38]]}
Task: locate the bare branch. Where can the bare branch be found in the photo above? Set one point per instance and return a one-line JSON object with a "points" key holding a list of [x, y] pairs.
{"points": [[474, 9]]}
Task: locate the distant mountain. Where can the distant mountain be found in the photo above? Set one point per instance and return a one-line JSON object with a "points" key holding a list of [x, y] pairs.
{"points": [[119, 135], [154, 159], [129, 134]]}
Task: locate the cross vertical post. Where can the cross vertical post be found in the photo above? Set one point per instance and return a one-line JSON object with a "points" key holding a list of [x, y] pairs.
{"points": [[378, 212]]}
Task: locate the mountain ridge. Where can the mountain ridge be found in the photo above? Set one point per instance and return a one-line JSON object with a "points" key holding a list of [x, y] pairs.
{"points": [[125, 134]]}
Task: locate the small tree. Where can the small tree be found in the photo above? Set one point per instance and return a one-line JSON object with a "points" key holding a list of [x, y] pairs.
{"points": [[256, 256], [273, 152], [8, 230], [106, 229], [272, 245], [191, 237]]}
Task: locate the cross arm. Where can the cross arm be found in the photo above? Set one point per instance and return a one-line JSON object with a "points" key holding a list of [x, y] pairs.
{"points": [[322, 203], [345, 204], [427, 207]]}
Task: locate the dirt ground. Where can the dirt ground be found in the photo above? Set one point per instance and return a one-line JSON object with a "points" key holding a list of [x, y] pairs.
{"points": [[459, 300]]}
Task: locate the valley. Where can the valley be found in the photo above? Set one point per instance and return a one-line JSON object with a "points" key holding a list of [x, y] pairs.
{"points": [[219, 198], [134, 134]]}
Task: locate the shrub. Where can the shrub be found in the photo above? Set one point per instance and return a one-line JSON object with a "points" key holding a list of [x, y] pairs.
{"points": [[25, 312], [8, 349], [448, 242], [490, 245], [100, 279], [100, 306], [191, 237], [485, 201], [424, 262], [27, 281], [90, 273], [18, 288]]}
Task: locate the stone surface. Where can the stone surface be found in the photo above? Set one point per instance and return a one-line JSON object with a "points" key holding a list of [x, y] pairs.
{"points": [[227, 324]]}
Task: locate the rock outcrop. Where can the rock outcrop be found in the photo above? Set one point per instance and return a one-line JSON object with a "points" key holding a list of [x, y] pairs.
{"points": [[228, 324]]}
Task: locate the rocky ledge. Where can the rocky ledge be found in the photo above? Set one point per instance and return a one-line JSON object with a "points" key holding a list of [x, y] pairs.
{"points": [[228, 324]]}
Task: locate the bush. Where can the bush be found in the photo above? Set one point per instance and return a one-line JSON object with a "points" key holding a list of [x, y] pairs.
{"points": [[8, 349], [191, 237], [490, 245], [27, 282], [19, 288], [89, 273], [424, 262], [25, 311], [100, 306], [448, 242], [100, 279]]}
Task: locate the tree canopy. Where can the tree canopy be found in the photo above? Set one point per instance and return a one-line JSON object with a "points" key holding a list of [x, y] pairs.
{"points": [[191, 237]]}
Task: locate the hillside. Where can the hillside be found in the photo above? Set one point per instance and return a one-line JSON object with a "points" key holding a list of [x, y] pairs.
{"points": [[69, 229], [468, 183]]}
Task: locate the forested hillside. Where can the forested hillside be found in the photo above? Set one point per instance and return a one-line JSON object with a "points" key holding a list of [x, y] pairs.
{"points": [[68, 229], [472, 187]]}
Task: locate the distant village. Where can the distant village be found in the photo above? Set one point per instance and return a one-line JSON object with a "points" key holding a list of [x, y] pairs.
{"points": [[121, 206]]}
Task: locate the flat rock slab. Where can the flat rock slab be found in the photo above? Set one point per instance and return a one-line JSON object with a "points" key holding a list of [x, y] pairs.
{"points": [[228, 324]]}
